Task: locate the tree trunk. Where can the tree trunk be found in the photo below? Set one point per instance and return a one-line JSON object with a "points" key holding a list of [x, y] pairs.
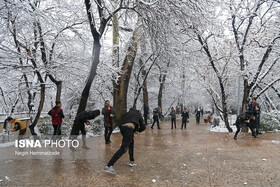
{"points": [[145, 89], [162, 79], [92, 74], [246, 94], [40, 108], [121, 88], [58, 87]]}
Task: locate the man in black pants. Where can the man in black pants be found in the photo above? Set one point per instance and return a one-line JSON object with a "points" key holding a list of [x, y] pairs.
{"points": [[57, 114], [173, 117], [244, 120], [156, 113], [146, 113], [79, 125], [132, 122], [185, 118], [254, 110], [108, 113], [197, 115]]}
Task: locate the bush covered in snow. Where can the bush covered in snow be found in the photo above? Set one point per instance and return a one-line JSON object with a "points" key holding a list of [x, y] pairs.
{"points": [[270, 121]]}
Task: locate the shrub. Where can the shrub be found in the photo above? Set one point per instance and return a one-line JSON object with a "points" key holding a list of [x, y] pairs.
{"points": [[270, 121]]}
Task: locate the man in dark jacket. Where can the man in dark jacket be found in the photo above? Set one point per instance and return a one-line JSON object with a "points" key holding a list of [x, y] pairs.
{"points": [[108, 113], [173, 117], [254, 110], [185, 118], [156, 113], [197, 116], [146, 113], [132, 122], [57, 114], [79, 125], [243, 120]]}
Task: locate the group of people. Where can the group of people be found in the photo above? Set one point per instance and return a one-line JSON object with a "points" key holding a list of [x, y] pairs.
{"points": [[251, 119], [132, 122], [157, 112]]}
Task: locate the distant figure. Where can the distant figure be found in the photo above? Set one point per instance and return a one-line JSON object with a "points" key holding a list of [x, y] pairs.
{"points": [[173, 117], [79, 125], [254, 110], [197, 115], [132, 122], [57, 114], [243, 120], [156, 113], [202, 112], [18, 126], [108, 113], [185, 118], [146, 113]]}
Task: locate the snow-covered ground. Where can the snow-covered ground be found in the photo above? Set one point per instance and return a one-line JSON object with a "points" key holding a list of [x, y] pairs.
{"points": [[222, 127]]}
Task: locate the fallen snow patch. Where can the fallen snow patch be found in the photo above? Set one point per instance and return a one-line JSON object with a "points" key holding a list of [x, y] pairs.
{"points": [[7, 144], [274, 141], [221, 128]]}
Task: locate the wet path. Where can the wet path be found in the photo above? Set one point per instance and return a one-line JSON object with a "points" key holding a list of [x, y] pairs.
{"points": [[192, 157]]}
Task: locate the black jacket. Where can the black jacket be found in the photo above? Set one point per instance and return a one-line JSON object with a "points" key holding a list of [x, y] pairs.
{"points": [[185, 115], [253, 109], [135, 117], [84, 116]]}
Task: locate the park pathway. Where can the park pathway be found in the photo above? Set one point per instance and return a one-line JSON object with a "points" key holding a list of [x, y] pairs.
{"points": [[191, 157]]}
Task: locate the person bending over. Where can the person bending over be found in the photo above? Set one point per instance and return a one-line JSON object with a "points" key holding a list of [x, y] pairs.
{"points": [[132, 122]]}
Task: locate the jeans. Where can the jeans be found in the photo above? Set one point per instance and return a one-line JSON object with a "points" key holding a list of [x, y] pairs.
{"points": [[77, 127], [108, 132], [184, 123], [21, 134], [127, 143], [156, 120], [56, 131], [173, 121]]}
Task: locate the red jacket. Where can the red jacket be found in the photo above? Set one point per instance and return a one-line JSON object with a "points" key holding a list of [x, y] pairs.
{"points": [[57, 115]]}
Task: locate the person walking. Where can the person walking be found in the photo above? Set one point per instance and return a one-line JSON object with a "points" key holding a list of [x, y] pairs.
{"points": [[173, 117], [108, 113], [18, 126], [79, 125], [156, 113], [185, 118], [132, 122], [254, 110], [197, 115], [146, 113], [57, 114]]}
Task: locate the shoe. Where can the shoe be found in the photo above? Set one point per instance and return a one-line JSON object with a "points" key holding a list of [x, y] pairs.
{"points": [[107, 142], [159, 128], [85, 147], [132, 163], [235, 137], [110, 169], [72, 149], [152, 128]]}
